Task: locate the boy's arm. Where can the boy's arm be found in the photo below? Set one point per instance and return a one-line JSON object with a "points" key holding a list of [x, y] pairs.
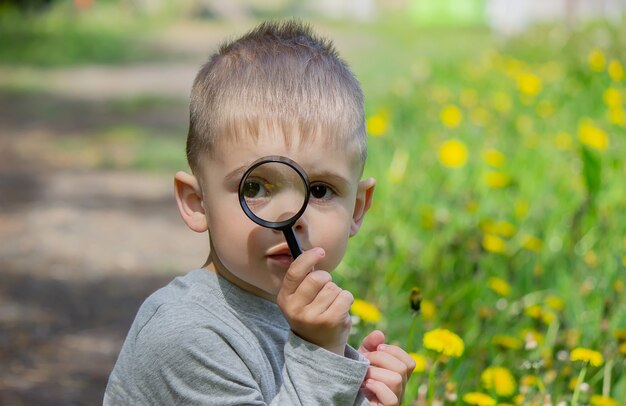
{"points": [[183, 364]]}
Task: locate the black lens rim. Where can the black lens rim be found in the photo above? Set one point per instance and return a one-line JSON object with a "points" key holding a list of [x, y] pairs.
{"points": [[277, 225]]}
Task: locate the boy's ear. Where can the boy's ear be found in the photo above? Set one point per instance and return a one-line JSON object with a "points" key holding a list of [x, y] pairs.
{"points": [[189, 199], [364, 194]]}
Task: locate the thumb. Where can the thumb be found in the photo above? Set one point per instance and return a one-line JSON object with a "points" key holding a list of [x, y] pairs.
{"points": [[372, 341]]}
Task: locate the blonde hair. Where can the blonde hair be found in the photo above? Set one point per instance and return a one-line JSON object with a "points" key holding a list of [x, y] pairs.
{"points": [[279, 76]]}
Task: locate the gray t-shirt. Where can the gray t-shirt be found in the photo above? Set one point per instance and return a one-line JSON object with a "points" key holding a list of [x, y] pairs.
{"points": [[202, 340]]}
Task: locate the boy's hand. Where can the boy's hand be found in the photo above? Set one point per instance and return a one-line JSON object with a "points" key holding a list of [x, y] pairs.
{"points": [[316, 308], [390, 369]]}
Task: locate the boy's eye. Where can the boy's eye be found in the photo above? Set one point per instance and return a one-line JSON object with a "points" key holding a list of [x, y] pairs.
{"points": [[321, 191], [253, 189]]}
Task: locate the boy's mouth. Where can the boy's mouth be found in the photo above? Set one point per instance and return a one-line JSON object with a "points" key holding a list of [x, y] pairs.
{"points": [[280, 254]]}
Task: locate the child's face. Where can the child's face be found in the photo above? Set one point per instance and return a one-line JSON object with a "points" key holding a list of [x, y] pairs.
{"points": [[256, 258]]}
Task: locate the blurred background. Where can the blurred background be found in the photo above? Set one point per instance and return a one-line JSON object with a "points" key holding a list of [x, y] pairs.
{"points": [[497, 136]]}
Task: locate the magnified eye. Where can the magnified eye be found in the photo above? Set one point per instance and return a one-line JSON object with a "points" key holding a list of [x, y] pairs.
{"points": [[253, 189], [321, 191]]}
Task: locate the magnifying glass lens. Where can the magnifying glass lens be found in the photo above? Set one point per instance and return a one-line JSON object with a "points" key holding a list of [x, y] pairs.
{"points": [[274, 192]]}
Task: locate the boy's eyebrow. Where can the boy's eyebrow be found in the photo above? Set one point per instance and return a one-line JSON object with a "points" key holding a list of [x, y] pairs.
{"points": [[236, 174], [332, 177]]}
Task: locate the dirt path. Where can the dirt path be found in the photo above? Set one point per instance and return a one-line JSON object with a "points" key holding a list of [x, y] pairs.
{"points": [[81, 247]]}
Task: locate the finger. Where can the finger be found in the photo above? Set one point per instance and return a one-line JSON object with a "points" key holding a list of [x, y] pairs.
{"points": [[400, 354], [391, 379], [387, 361], [299, 269], [340, 306], [372, 341], [310, 287], [385, 396], [325, 297]]}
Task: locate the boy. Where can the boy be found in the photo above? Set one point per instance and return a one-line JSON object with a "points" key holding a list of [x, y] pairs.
{"points": [[254, 326]]}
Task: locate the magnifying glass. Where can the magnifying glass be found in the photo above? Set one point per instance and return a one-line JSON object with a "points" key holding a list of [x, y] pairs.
{"points": [[274, 192]]}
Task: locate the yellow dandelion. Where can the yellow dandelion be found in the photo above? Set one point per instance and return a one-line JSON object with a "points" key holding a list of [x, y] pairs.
{"points": [[616, 70], [506, 342], [529, 381], [499, 285], [586, 355], [500, 380], [529, 84], [532, 243], [397, 168], [469, 97], [521, 208], [420, 362], [533, 311], [555, 303], [563, 140], [618, 285], [501, 102], [591, 259], [365, 311], [428, 310], [545, 109], [444, 342], [532, 338], [612, 97], [377, 124], [598, 400], [620, 335], [622, 348], [453, 153], [547, 317], [478, 399], [592, 136], [493, 243], [596, 60], [617, 116], [480, 116], [493, 157], [497, 180], [451, 116], [504, 229]]}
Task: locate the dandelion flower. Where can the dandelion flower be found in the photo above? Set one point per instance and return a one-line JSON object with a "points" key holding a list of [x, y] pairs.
{"points": [[586, 355], [501, 102], [563, 140], [592, 136], [377, 124], [453, 153], [428, 310], [498, 285], [597, 400], [555, 303], [532, 243], [505, 229], [620, 335], [500, 380], [596, 60], [493, 243], [506, 342], [494, 158], [478, 399], [617, 116], [497, 180], [529, 84], [365, 310], [622, 348], [612, 97], [445, 342], [616, 70], [451, 116], [420, 362]]}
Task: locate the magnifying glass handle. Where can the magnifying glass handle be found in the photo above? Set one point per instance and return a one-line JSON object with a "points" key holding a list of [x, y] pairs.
{"points": [[292, 242]]}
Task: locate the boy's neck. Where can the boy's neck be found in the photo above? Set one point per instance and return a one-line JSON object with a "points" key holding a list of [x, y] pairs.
{"points": [[214, 265]]}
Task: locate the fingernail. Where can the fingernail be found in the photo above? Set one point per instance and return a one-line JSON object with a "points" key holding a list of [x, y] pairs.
{"points": [[320, 251], [382, 347]]}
